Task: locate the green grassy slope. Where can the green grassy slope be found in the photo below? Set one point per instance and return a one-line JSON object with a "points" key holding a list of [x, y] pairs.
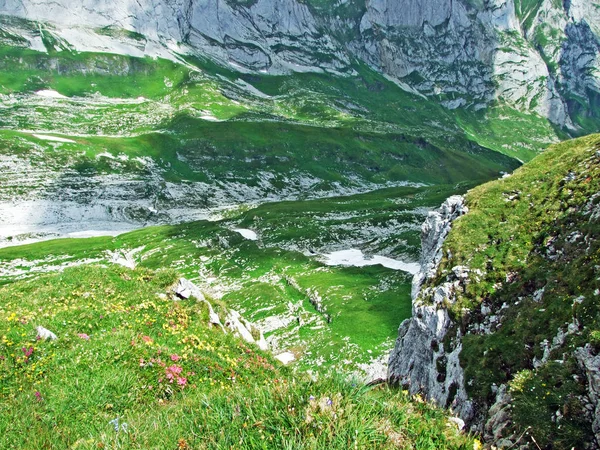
{"points": [[133, 368], [532, 242], [154, 121], [526, 11]]}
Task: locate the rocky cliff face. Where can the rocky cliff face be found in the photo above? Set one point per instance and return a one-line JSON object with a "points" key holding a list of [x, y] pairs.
{"points": [[542, 57], [422, 360], [279, 36]]}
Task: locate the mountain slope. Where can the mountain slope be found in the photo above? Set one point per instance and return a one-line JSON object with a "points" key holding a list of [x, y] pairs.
{"points": [[120, 141], [134, 366], [535, 55], [516, 301], [128, 99], [280, 268]]}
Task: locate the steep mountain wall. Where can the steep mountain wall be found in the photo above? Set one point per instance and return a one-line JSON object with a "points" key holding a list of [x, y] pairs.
{"points": [[506, 311], [464, 53]]}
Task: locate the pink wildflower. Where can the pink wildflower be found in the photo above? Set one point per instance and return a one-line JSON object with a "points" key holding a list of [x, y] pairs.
{"points": [[83, 336], [175, 358], [147, 339], [38, 395], [172, 372], [181, 381]]}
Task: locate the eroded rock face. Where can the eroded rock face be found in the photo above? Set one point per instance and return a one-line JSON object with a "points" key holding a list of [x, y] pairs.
{"points": [[425, 359], [434, 231], [464, 53], [405, 13], [274, 35], [500, 418], [590, 364]]}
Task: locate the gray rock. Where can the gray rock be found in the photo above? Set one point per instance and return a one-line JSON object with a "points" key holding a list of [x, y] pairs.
{"points": [[45, 334], [262, 342], [504, 444], [469, 53], [499, 416], [186, 289], [236, 324], [420, 360], [434, 231], [590, 364], [234, 321], [460, 424]]}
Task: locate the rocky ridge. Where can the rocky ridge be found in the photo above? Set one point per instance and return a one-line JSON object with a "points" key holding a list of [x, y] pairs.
{"points": [[463, 53]]}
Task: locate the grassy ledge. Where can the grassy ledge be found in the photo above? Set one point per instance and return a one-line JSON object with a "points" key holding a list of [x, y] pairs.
{"points": [[532, 245]]}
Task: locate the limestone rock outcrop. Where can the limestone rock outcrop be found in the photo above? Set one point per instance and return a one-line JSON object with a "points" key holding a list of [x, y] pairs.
{"points": [[423, 360], [462, 53], [590, 364], [233, 322]]}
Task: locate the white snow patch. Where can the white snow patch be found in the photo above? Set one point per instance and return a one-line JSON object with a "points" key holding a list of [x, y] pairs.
{"points": [[210, 118], [246, 233], [285, 357], [356, 258], [49, 93], [45, 137]]}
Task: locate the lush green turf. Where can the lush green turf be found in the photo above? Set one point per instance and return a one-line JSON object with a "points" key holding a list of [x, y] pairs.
{"points": [[378, 221], [535, 239], [133, 368], [245, 148], [80, 74]]}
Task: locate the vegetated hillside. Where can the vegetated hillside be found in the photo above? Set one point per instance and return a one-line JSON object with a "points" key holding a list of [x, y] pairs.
{"points": [[520, 278], [280, 281], [97, 141], [120, 115], [134, 366]]}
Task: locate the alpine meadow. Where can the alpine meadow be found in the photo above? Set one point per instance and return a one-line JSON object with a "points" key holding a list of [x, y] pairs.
{"points": [[300, 224]]}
